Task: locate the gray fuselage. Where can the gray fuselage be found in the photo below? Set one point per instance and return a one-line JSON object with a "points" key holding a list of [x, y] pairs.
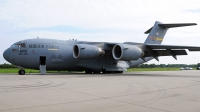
{"points": [[59, 56]]}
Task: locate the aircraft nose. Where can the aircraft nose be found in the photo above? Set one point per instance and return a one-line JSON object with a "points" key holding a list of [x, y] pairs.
{"points": [[6, 55]]}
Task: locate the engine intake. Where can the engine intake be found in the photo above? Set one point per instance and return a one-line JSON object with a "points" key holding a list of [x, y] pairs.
{"points": [[85, 51], [126, 52]]}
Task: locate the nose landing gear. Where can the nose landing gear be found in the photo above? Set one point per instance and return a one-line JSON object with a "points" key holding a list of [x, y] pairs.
{"points": [[21, 72]]}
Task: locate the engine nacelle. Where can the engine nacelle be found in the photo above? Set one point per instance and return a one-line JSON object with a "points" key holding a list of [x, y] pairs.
{"points": [[126, 52], [85, 51]]}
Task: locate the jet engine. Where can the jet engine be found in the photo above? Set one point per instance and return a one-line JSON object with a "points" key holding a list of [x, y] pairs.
{"points": [[85, 51], [126, 52]]}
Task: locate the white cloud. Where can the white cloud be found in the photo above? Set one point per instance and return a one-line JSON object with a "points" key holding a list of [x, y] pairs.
{"points": [[121, 20]]}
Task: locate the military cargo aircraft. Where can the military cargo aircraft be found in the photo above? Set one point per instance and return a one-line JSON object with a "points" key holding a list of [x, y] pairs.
{"points": [[93, 57]]}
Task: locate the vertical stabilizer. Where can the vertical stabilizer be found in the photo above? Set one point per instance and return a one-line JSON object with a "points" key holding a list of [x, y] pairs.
{"points": [[158, 31], [156, 34]]}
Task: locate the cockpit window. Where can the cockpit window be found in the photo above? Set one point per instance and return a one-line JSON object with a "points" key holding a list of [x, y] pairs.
{"points": [[23, 45], [19, 44]]}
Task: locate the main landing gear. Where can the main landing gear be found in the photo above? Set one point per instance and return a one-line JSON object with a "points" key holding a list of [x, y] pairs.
{"points": [[21, 72], [103, 71], [114, 72], [109, 72]]}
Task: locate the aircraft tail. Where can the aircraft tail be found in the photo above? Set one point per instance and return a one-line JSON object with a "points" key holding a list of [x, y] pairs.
{"points": [[158, 31]]}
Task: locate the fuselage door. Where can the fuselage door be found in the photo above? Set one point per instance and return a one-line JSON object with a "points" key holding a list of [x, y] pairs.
{"points": [[42, 66], [42, 60]]}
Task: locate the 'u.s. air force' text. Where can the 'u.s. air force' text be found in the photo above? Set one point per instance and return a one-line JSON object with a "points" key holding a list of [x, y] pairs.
{"points": [[43, 46]]}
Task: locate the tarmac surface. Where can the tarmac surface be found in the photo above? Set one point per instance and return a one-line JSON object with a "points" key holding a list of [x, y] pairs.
{"points": [[166, 91]]}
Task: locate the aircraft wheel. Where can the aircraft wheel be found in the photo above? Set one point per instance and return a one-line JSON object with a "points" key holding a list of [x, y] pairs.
{"points": [[109, 72], [97, 72], [88, 72], [120, 72], [104, 72], [21, 72]]}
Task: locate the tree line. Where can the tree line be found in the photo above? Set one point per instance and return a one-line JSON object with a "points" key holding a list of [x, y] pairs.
{"points": [[7, 66], [168, 65]]}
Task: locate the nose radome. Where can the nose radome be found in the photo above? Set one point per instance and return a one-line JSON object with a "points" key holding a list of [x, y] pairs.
{"points": [[6, 55]]}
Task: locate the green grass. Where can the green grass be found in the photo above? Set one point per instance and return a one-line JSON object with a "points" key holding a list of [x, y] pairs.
{"points": [[15, 70]]}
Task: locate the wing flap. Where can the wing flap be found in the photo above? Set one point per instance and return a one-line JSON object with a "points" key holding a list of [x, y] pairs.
{"points": [[165, 53], [156, 46], [156, 50]]}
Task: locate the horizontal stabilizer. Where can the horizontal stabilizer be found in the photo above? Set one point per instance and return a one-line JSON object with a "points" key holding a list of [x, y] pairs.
{"points": [[191, 49], [176, 25], [171, 26]]}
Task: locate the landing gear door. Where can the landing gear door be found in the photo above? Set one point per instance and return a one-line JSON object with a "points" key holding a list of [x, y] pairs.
{"points": [[42, 66]]}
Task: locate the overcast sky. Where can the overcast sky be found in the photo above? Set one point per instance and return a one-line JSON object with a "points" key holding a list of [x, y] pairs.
{"points": [[100, 20]]}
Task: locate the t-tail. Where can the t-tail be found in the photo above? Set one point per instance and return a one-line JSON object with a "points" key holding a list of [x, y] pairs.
{"points": [[158, 31]]}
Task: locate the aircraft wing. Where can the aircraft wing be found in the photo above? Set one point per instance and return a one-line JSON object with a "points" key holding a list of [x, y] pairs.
{"points": [[155, 50], [164, 53], [156, 46]]}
